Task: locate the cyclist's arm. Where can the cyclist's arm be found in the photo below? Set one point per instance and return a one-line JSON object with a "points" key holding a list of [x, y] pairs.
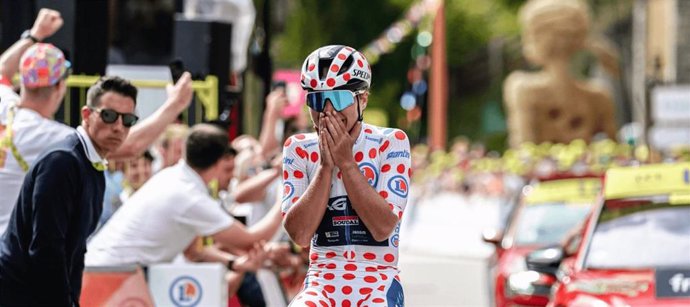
{"points": [[380, 208], [370, 206], [304, 202], [394, 181]]}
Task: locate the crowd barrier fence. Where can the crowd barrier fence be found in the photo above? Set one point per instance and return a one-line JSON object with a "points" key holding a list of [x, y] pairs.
{"points": [[206, 92]]}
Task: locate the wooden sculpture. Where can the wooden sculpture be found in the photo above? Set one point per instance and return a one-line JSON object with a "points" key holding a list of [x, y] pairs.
{"points": [[551, 105]]}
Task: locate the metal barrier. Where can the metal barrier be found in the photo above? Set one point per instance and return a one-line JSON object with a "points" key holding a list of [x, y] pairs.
{"points": [[206, 92]]}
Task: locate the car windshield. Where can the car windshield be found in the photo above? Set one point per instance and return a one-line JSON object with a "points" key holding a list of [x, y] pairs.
{"points": [[544, 224], [640, 233]]}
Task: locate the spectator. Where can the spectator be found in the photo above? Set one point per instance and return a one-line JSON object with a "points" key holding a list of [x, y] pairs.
{"points": [[174, 207], [25, 121], [137, 171], [169, 147], [60, 201]]}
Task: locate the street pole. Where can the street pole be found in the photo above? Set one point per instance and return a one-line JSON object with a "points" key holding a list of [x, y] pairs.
{"points": [[639, 66], [438, 94]]}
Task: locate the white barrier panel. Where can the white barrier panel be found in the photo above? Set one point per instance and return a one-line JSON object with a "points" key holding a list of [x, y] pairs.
{"points": [[188, 285]]}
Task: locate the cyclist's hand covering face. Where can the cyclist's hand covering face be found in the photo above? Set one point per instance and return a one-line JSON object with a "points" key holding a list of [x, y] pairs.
{"points": [[347, 116], [326, 160], [340, 140]]}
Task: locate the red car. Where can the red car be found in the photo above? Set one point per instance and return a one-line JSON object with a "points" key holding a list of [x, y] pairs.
{"points": [[635, 248], [546, 211]]}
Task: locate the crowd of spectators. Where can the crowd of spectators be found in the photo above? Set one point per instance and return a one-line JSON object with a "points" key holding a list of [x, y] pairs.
{"points": [[469, 169], [244, 232]]}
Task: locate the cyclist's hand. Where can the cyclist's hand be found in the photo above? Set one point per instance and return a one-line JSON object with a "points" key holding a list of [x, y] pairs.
{"points": [[340, 141], [326, 160]]}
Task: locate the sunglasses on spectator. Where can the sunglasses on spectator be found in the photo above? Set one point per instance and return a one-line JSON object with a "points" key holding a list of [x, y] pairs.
{"points": [[110, 116], [340, 99]]}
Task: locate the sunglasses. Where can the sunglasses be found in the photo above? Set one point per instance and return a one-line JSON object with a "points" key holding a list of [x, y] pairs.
{"points": [[340, 99], [110, 116]]}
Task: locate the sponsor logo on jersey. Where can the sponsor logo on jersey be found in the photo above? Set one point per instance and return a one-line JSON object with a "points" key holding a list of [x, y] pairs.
{"points": [[348, 220], [398, 185], [332, 234], [288, 190], [310, 144], [398, 154], [288, 161], [359, 232], [337, 203], [185, 291], [395, 240], [370, 172], [377, 140]]}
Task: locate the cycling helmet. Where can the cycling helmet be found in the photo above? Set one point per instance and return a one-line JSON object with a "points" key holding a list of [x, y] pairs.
{"points": [[336, 67]]}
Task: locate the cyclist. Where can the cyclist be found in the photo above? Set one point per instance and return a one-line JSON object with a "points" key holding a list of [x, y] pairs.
{"points": [[345, 188]]}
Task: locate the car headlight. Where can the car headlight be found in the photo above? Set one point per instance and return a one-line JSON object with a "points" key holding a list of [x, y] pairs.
{"points": [[522, 283], [528, 283]]}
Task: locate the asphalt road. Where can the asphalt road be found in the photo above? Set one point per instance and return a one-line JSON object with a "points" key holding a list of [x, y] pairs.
{"points": [[443, 260]]}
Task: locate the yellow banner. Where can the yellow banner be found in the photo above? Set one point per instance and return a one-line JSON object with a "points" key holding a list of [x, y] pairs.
{"points": [[647, 180], [579, 190]]}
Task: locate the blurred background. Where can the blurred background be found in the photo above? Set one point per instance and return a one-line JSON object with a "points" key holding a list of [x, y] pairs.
{"points": [[440, 72], [482, 41]]}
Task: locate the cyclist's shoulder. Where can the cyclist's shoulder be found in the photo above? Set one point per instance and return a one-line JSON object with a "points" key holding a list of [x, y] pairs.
{"points": [[387, 133], [302, 140]]}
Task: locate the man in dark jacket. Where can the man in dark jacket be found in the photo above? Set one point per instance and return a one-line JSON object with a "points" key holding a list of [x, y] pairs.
{"points": [[42, 251]]}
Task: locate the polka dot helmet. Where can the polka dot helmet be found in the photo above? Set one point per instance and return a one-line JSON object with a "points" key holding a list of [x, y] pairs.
{"points": [[336, 67]]}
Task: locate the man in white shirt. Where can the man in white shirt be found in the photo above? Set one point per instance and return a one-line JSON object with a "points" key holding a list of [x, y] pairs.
{"points": [[175, 206], [26, 125]]}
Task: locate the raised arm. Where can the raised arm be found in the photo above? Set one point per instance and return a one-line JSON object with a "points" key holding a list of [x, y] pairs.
{"points": [[46, 24], [275, 101], [254, 188], [147, 131]]}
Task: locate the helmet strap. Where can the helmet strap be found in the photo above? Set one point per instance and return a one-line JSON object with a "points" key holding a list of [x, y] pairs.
{"points": [[359, 112]]}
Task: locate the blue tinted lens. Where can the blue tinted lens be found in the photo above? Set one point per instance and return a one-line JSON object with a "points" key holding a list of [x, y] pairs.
{"points": [[339, 99]]}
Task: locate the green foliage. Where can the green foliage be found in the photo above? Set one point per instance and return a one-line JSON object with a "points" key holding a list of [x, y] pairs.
{"points": [[470, 24], [356, 23]]}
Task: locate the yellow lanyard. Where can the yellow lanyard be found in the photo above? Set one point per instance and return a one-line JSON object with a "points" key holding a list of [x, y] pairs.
{"points": [[6, 141]]}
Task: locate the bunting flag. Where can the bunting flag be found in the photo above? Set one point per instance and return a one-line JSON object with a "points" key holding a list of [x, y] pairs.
{"points": [[400, 29]]}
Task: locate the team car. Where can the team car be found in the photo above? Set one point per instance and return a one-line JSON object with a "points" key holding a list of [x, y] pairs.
{"points": [[635, 247], [545, 212]]}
